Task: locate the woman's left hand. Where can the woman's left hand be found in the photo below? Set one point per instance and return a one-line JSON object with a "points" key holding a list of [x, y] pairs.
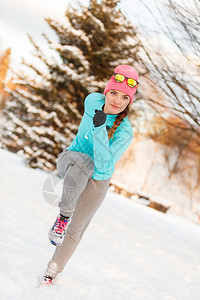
{"points": [[99, 118]]}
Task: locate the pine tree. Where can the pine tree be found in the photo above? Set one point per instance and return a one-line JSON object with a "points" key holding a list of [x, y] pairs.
{"points": [[44, 111]]}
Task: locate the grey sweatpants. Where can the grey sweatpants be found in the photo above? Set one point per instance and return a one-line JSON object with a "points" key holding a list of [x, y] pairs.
{"points": [[81, 197]]}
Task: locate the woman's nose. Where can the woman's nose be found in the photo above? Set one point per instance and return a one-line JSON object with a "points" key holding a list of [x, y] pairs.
{"points": [[117, 100]]}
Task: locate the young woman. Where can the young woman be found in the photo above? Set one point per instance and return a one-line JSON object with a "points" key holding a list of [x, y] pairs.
{"points": [[88, 163]]}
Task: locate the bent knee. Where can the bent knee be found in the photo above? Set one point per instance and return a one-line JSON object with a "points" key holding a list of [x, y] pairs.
{"points": [[85, 163]]}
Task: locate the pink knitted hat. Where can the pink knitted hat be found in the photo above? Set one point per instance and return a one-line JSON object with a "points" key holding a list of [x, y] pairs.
{"points": [[127, 71]]}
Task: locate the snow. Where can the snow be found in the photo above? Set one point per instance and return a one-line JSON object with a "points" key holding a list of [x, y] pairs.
{"points": [[143, 169], [95, 20], [129, 251], [76, 32], [72, 49], [144, 196]]}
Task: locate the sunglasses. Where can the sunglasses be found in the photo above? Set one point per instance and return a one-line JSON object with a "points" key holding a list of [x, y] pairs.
{"points": [[130, 81]]}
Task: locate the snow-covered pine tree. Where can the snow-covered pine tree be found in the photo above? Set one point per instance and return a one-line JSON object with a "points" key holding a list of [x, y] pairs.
{"points": [[44, 112]]}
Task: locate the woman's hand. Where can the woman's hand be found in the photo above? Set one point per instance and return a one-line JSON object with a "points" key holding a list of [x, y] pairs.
{"points": [[99, 118]]}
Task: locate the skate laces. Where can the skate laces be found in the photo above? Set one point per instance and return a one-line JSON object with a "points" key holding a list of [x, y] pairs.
{"points": [[60, 225]]}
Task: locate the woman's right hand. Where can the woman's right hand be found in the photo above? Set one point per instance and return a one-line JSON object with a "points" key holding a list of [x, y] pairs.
{"points": [[99, 118]]}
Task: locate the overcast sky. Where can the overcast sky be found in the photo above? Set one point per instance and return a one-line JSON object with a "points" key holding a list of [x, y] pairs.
{"points": [[19, 17]]}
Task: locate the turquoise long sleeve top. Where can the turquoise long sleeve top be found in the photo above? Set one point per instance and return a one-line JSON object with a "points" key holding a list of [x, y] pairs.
{"points": [[94, 141]]}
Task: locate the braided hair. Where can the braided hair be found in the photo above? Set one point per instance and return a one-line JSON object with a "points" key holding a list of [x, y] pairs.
{"points": [[118, 121]]}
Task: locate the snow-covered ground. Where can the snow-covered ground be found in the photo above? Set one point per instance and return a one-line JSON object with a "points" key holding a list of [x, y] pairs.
{"points": [[129, 251], [143, 169]]}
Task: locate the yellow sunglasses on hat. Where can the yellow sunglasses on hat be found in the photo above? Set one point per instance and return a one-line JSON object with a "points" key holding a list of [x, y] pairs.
{"points": [[130, 81]]}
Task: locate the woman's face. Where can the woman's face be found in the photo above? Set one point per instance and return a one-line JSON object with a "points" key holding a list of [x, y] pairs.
{"points": [[115, 102]]}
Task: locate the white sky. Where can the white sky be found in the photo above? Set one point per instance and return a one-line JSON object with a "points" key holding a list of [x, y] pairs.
{"points": [[19, 17]]}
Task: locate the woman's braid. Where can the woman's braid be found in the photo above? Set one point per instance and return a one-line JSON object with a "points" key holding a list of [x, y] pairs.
{"points": [[118, 121]]}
